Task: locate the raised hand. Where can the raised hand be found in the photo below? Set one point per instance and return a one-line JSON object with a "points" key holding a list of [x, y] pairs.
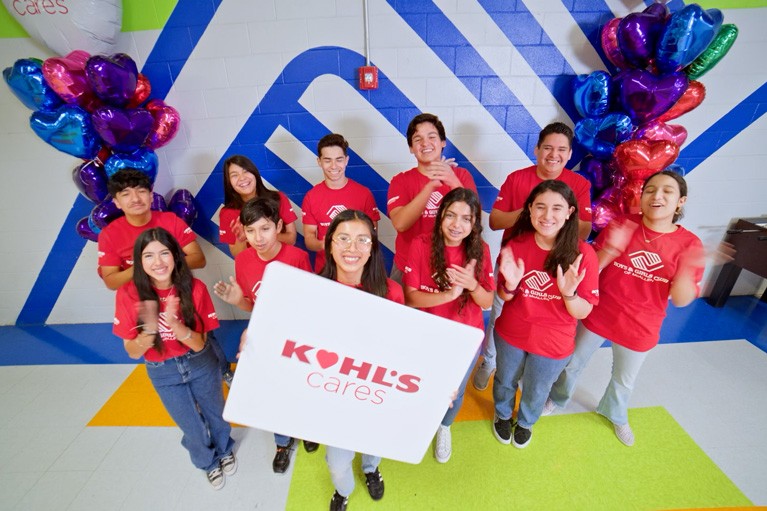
{"points": [[237, 229], [172, 306], [230, 292], [568, 281], [147, 315], [512, 269], [442, 171], [618, 236], [463, 276]]}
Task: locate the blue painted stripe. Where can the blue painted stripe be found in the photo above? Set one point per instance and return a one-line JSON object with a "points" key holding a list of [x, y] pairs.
{"points": [[180, 35], [590, 16]]}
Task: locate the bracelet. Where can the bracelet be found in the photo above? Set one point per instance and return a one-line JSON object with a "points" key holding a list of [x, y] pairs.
{"points": [[147, 332], [510, 292], [571, 297], [187, 336], [475, 288]]}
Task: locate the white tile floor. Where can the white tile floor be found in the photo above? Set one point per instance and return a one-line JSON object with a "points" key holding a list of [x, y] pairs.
{"points": [[717, 391]]}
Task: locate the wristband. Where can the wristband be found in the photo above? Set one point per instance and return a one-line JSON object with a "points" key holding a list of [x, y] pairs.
{"points": [[571, 297], [187, 336], [510, 292], [146, 332], [475, 288]]}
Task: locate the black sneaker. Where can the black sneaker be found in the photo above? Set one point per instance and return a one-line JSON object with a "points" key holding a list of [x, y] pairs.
{"points": [[338, 502], [311, 446], [502, 430], [375, 484], [522, 436], [281, 460]]}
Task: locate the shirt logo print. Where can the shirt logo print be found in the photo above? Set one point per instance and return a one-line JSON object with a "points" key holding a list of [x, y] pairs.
{"points": [[255, 289], [647, 261], [538, 280], [334, 210], [434, 200]]}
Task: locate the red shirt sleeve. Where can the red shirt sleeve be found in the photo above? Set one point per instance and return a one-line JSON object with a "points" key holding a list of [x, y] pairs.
{"points": [[287, 214], [225, 218]]}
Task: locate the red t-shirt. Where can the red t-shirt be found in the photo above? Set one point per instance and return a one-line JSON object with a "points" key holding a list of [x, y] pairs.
{"points": [[321, 204], [117, 239], [393, 291], [126, 318], [418, 275], [249, 267], [635, 286], [519, 184], [536, 319], [227, 215], [402, 189]]}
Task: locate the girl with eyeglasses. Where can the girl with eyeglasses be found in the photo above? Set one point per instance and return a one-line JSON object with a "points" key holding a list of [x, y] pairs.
{"points": [[645, 260], [353, 258], [164, 314], [448, 272], [548, 279]]}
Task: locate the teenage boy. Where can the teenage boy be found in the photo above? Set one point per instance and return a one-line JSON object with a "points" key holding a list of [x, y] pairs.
{"points": [[131, 191], [553, 150], [260, 218], [333, 195], [415, 195]]}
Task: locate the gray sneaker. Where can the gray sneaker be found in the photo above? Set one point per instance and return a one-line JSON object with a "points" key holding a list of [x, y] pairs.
{"points": [[548, 407], [482, 375]]}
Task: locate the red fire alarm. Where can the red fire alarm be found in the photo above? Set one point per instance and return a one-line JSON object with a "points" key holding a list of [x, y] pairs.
{"points": [[368, 77]]}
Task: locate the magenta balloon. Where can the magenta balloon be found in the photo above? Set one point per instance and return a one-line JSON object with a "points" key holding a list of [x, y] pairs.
{"points": [[112, 78], [603, 212], [609, 40], [91, 179], [66, 76], [165, 126], [645, 96], [182, 204], [659, 130], [84, 230], [638, 34]]}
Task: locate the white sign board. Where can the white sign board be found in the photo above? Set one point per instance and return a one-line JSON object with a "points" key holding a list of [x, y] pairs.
{"points": [[335, 365]]}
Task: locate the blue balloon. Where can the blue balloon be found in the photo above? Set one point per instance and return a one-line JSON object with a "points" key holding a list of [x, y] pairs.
{"points": [[592, 94], [600, 136], [141, 159], [27, 83], [687, 34], [69, 129], [675, 167]]}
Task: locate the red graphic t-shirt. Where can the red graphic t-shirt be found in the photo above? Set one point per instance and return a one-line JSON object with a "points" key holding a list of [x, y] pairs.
{"points": [[249, 267], [227, 215]]}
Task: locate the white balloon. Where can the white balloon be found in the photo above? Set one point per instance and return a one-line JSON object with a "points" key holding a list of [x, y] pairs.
{"points": [[68, 25]]}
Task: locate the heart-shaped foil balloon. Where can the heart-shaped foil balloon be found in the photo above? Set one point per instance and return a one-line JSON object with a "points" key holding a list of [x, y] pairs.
{"points": [[182, 204], [69, 129], [26, 80], [91, 179], [591, 94], [715, 52], [143, 89], [141, 159], [85, 231], [687, 34], [645, 96], [692, 97], [165, 126], [66, 76], [638, 34], [639, 159], [659, 130], [112, 78], [103, 213], [608, 38], [122, 130], [600, 136]]}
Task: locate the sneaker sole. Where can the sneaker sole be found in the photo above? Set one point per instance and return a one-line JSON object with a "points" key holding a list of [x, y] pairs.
{"points": [[442, 460], [521, 446], [233, 471]]}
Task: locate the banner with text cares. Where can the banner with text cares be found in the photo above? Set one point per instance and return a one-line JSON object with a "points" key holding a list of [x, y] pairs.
{"points": [[335, 365]]}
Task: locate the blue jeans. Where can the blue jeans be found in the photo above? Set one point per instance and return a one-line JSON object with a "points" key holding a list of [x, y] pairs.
{"points": [[488, 345], [340, 465], [190, 389], [626, 366], [451, 413], [223, 363], [537, 374]]}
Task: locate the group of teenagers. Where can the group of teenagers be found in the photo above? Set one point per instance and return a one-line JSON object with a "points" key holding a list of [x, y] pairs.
{"points": [[554, 297]]}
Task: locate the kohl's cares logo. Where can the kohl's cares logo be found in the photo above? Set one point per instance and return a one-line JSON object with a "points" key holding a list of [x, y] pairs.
{"points": [[348, 377], [647, 261]]}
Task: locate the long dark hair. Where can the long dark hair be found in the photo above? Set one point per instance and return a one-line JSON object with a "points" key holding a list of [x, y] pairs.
{"points": [[472, 244], [232, 199], [565, 249], [679, 213], [181, 277], [374, 272]]}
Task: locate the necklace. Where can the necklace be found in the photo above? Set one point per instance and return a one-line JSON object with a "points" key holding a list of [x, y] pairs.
{"points": [[646, 239]]}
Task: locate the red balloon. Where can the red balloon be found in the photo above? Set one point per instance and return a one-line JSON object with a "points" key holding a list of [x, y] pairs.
{"points": [[143, 89], [631, 195], [639, 159], [692, 97], [166, 123]]}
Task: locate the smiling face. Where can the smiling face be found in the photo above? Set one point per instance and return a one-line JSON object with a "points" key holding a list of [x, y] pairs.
{"points": [[351, 250], [333, 161], [661, 198], [552, 155], [157, 262], [134, 202], [242, 181], [457, 223], [262, 236], [426, 144], [548, 214]]}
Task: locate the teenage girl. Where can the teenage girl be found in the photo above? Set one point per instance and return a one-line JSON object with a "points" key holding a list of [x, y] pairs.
{"points": [[449, 273], [645, 260], [548, 279], [242, 182], [353, 257], [163, 314]]}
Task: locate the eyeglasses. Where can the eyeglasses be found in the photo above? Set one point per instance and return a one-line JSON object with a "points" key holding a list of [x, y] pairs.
{"points": [[363, 243]]}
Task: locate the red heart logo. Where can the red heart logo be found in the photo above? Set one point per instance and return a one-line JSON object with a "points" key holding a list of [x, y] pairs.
{"points": [[691, 98], [639, 159], [326, 358]]}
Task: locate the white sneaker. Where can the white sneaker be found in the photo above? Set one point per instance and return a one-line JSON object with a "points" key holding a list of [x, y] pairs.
{"points": [[548, 407], [482, 375], [229, 464], [443, 446], [216, 478], [624, 434]]}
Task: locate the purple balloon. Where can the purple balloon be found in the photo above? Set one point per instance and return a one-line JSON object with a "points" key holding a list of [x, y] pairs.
{"points": [[27, 83], [638, 34], [182, 204], [591, 94], [141, 159], [645, 96], [69, 129], [112, 78], [687, 34], [104, 212], [598, 172], [91, 179], [85, 231], [122, 130], [158, 202]]}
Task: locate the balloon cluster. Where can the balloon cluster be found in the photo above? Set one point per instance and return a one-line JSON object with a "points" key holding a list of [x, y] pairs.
{"points": [[97, 108], [659, 57]]}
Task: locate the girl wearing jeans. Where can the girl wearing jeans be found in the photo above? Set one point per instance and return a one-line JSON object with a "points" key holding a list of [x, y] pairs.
{"points": [[548, 279], [163, 314], [448, 273]]}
